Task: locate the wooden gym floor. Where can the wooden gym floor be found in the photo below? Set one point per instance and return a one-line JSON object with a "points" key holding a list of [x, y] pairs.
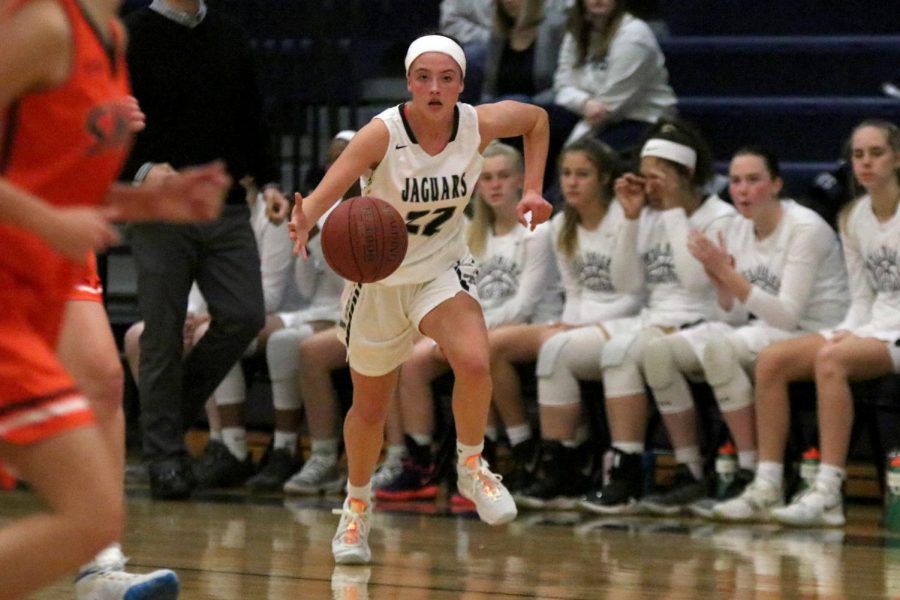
{"points": [[234, 546]]}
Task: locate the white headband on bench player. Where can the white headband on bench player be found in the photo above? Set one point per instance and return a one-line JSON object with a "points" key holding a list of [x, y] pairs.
{"points": [[679, 153], [436, 43]]}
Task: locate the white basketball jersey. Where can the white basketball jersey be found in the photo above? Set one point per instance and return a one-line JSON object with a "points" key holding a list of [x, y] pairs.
{"points": [[430, 192]]}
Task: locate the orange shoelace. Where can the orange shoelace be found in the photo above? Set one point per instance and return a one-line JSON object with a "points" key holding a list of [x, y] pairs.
{"points": [[487, 480], [357, 508]]}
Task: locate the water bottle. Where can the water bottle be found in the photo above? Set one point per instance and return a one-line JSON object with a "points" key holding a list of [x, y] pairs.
{"points": [[809, 468], [892, 492], [726, 468]]}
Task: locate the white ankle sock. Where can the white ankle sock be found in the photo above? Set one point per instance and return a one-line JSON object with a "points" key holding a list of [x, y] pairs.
{"points": [[831, 477], [518, 434], [629, 447], [772, 472], [464, 451], [690, 457], [285, 440], [360, 492], [747, 459], [235, 439], [325, 449], [394, 452]]}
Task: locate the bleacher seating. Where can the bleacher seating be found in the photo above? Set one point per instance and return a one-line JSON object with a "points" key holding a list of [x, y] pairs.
{"points": [[795, 77], [774, 17]]}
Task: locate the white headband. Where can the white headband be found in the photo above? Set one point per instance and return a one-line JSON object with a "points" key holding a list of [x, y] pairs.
{"points": [[683, 155], [346, 135], [436, 43]]}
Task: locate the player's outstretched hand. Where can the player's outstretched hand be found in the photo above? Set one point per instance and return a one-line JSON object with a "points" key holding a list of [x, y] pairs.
{"points": [[299, 227], [533, 203], [75, 231], [194, 194]]}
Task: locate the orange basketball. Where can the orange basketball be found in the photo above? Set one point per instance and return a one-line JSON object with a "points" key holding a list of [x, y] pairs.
{"points": [[364, 239]]}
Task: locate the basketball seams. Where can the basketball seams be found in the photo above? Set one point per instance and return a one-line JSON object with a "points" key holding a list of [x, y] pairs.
{"points": [[351, 224], [366, 240]]}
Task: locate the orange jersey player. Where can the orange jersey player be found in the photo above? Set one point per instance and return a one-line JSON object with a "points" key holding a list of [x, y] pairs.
{"points": [[65, 128]]}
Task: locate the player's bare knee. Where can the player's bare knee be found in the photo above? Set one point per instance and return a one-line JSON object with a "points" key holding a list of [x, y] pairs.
{"points": [[829, 364], [370, 412], [770, 366], [103, 385], [472, 365]]}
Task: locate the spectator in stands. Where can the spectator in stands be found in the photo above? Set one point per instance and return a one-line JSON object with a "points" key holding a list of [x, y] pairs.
{"points": [[192, 71], [779, 273], [469, 22], [523, 50], [611, 81], [862, 346], [516, 275], [583, 236], [661, 205]]}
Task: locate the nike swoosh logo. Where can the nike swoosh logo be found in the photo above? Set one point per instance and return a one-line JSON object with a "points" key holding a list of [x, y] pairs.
{"points": [[400, 146]]}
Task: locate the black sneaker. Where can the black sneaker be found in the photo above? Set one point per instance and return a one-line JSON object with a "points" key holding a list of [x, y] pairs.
{"points": [[218, 467], [622, 491], [685, 490], [277, 468], [171, 479], [703, 507], [525, 461], [558, 483]]}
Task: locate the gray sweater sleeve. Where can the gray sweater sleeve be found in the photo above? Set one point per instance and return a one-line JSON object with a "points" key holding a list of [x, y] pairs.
{"points": [[467, 20]]}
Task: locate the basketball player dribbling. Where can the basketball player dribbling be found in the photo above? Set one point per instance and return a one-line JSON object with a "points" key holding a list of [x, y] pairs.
{"points": [[67, 121], [425, 156]]}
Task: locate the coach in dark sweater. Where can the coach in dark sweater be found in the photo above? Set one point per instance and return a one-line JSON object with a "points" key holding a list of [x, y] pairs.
{"points": [[193, 73]]}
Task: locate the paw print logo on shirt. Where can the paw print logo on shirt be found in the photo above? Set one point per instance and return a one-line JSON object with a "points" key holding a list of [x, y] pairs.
{"points": [[498, 279], [884, 273], [659, 265], [593, 272], [761, 276]]}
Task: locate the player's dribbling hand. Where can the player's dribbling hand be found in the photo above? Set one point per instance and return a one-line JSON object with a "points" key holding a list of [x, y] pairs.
{"points": [[75, 231], [533, 203], [299, 228]]}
